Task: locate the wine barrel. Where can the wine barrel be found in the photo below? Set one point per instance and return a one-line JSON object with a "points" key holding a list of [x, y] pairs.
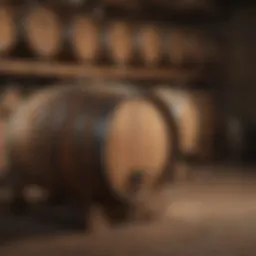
{"points": [[199, 49], [85, 39], [188, 46], [195, 119], [8, 33], [92, 145], [150, 44], [43, 31], [175, 46], [120, 42]]}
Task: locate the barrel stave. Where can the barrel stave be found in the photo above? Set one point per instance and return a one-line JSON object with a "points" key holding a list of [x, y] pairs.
{"points": [[61, 145]]}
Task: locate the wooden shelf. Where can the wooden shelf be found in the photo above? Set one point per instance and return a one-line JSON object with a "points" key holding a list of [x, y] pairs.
{"points": [[53, 69]]}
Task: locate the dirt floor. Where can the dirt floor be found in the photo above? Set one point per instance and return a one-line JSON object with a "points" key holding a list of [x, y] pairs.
{"points": [[208, 215]]}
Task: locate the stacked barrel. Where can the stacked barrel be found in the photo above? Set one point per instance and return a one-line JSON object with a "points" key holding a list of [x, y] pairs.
{"points": [[8, 30], [195, 117], [108, 144], [45, 34], [98, 146]]}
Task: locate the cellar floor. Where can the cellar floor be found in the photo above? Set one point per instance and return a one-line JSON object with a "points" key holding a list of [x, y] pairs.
{"points": [[211, 212]]}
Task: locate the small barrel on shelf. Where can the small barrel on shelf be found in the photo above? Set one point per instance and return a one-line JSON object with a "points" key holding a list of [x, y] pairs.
{"points": [[119, 42], [199, 49], [188, 46], [8, 30], [42, 30], [104, 145], [149, 44], [175, 46], [194, 112], [85, 39]]}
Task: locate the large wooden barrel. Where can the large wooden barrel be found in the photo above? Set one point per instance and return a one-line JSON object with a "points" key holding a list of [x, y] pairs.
{"points": [[93, 145], [119, 39], [8, 32], [195, 119], [150, 44], [43, 31], [85, 39]]}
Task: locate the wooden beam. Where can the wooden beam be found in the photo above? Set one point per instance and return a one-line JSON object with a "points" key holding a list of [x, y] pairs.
{"points": [[60, 70]]}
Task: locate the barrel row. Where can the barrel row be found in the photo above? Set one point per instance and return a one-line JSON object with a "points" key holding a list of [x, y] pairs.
{"points": [[195, 115], [193, 111], [92, 145], [49, 36], [104, 143]]}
